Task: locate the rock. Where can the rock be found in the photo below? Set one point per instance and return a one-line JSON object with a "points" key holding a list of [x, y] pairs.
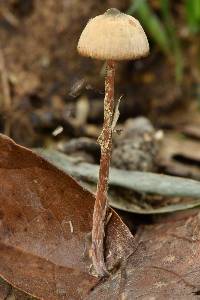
{"points": [[137, 147]]}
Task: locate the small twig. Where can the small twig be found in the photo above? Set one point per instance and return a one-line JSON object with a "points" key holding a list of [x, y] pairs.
{"points": [[6, 90], [5, 82], [9, 17]]}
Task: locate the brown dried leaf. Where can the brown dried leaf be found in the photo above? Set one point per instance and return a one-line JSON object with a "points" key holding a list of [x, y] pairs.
{"points": [[165, 266], [45, 221], [180, 156], [4, 289], [7, 292]]}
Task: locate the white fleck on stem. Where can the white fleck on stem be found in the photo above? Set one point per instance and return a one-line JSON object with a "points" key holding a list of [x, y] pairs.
{"points": [[116, 115], [101, 203]]}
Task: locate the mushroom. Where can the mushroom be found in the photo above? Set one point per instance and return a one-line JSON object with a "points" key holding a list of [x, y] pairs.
{"points": [[112, 36]]}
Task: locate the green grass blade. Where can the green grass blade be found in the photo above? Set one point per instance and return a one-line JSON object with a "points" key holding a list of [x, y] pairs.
{"points": [[151, 22], [193, 14], [175, 43]]}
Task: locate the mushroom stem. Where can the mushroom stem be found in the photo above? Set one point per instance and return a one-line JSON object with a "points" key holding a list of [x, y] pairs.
{"points": [[101, 203]]}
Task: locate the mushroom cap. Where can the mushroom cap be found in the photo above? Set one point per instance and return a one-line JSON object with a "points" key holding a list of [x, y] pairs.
{"points": [[113, 36]]}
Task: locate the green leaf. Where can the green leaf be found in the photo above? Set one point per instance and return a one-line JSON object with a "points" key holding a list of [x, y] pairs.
{"points": [[193, 14], [175, 43]]}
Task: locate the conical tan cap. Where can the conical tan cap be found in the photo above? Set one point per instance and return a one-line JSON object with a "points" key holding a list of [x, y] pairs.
{"points": [[113, 36]]}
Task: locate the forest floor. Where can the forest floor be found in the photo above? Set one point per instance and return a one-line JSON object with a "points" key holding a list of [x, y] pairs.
{"points": [[52, 98]]}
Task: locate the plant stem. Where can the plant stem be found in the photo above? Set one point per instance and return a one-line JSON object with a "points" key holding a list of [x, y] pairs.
{"points": [[101, 203]]}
